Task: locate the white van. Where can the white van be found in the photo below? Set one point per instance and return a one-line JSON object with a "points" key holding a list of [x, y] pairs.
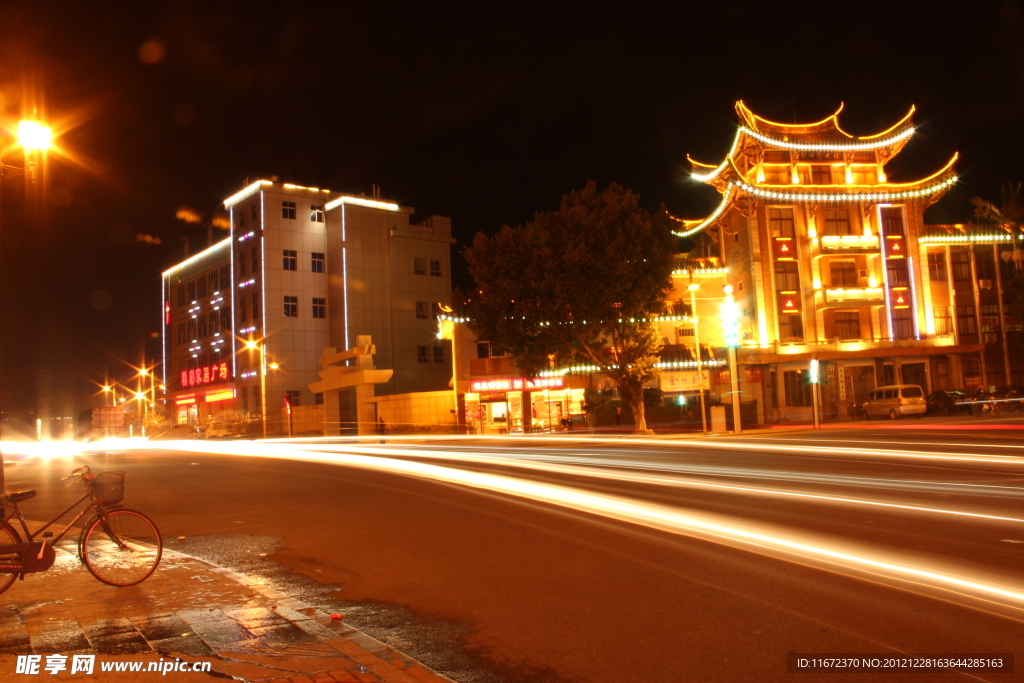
{"points": [[895, 400]]}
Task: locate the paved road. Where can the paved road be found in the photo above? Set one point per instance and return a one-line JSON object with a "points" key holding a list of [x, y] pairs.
{"points": [[597, 560]]}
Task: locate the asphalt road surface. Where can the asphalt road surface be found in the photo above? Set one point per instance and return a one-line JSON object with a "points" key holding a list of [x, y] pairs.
{"points": [[618, 559]]}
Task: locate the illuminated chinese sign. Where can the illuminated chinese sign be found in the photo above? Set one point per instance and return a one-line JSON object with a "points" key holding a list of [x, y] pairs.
{"points": [[218, 372], [685, 381], [517, 384]]}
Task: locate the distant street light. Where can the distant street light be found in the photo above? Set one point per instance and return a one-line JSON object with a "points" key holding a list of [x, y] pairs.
{"points": [[250, 344]]}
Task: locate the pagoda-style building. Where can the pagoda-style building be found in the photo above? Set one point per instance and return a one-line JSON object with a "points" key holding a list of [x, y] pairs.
{"points": [[830, 261]]}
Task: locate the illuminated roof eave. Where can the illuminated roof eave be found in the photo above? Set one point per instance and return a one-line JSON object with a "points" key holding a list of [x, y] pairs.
{"points": [[247, 192], [205, 252], [905, 119], [753, 118], [876, 196], [874, 189], [360, 201], [874, 143], [692, 227]]}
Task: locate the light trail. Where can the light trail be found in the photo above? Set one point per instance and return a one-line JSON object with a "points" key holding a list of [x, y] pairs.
{"points": [[760, 538], [576, 470]]}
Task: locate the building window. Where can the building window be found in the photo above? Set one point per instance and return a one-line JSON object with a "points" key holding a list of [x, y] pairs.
{"points": [[419, 266], [288, 210], [902, 323], [294, 397], [843, 272], [190, 291], [318, 398], [241, 219], [684, 334], [254, 258], [317, 264], [990, 327], [798, 388], [254, 211], [319, 308], [421, 309], [961, 259], [937, 266], [791, 328], [837, 222], [847, 325], [212, 280], [965, 320], [243, 314], [201, 287], [257, 401], [984, 266], [192, 330], [787, 276], [422, 355], [892, 221], [225, 277], [898, 273], [777, 175], [202, 326], [255, 306], [182, 339], [245, 399], [181, 300], [241, 263], [290, 260], [225, 318], [781, 222], [435, 268], [438, 354], [485, 350], [316, 213], [943, 320], [821, 175], [291, 307]]}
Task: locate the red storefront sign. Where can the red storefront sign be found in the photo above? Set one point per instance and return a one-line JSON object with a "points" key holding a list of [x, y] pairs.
{"points": [[516, 384], [218, 372]]}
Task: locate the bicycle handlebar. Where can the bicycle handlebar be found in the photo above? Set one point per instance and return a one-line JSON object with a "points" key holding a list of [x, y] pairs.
{"points": [[82, 471]]}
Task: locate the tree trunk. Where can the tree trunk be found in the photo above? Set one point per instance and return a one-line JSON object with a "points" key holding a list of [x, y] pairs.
{"points": [[634, 397]]}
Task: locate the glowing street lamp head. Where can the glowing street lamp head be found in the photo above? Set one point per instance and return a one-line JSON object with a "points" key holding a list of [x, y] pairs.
{"points": [[106, 387], [693, 287], [144, 371], [140, 395], [34, 135], [251, 344]]}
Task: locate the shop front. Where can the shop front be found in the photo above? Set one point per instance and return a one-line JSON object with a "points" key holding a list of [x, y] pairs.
{"points": [[204, 393], [517, 404]]}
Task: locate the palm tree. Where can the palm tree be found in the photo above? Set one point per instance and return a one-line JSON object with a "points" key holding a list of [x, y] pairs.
{"points": [[1009, 216]]}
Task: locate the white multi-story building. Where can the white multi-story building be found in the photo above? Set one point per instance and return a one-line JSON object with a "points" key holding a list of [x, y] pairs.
{"points": [[304, 269]]}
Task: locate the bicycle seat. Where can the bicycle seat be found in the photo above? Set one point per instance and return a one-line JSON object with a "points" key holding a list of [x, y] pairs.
{"points": [[17, 496]]}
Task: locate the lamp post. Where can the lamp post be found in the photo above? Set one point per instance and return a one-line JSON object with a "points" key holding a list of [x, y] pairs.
{"points": [[33, 138], [693, 287], [263, 381], [730, 320]]}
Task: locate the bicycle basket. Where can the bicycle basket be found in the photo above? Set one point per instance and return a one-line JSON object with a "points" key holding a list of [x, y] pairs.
{"points": [[108, 487]]}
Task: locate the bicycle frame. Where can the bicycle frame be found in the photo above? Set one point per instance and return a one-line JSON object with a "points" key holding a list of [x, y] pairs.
{"points": [[39, 562]]}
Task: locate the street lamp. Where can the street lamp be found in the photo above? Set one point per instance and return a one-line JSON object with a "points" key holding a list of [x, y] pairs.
{"points": [[730, 320], [250, 344], [693, 287], [32, 137]]}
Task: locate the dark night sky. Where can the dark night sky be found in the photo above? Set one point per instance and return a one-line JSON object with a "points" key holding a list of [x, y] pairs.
{"points": [[461, 110]]}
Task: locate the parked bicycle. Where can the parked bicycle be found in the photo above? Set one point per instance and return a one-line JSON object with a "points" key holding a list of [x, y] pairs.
{"points": [[120, 547], [984, 403]]}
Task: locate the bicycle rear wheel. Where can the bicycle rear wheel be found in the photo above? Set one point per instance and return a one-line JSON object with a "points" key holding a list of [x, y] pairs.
{"points": [[123, 549], [8, 536]]}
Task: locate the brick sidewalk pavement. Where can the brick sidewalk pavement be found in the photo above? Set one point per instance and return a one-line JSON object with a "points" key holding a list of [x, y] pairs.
{"points": [[188, 612]]}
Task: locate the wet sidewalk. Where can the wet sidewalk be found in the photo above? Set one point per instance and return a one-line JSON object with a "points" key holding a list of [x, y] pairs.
{"points": [[189, 615]]}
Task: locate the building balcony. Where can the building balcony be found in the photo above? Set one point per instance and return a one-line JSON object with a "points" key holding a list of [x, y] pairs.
{"points": [[849, 244], [855, 295]]}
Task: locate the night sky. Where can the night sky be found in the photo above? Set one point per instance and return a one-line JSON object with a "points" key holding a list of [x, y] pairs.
{"points": [[462, 110]]}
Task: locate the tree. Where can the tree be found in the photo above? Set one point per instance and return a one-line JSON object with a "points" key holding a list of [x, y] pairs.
{"points": [[581, 283], [1009, 216]]}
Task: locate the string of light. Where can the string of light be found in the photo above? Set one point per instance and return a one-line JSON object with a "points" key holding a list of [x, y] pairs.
{"points": [[852, 197], [829, 146]]}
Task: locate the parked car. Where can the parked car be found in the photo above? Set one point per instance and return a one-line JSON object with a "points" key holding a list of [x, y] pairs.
{"points": [[894, 401], [948, 402]]}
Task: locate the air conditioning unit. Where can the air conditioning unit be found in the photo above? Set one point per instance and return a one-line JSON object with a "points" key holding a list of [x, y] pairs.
{"points": [[985, 284]]}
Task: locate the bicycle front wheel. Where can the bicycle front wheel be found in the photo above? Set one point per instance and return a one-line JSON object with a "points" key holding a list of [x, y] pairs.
{"points": [[123, 548], [8, 536]]}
